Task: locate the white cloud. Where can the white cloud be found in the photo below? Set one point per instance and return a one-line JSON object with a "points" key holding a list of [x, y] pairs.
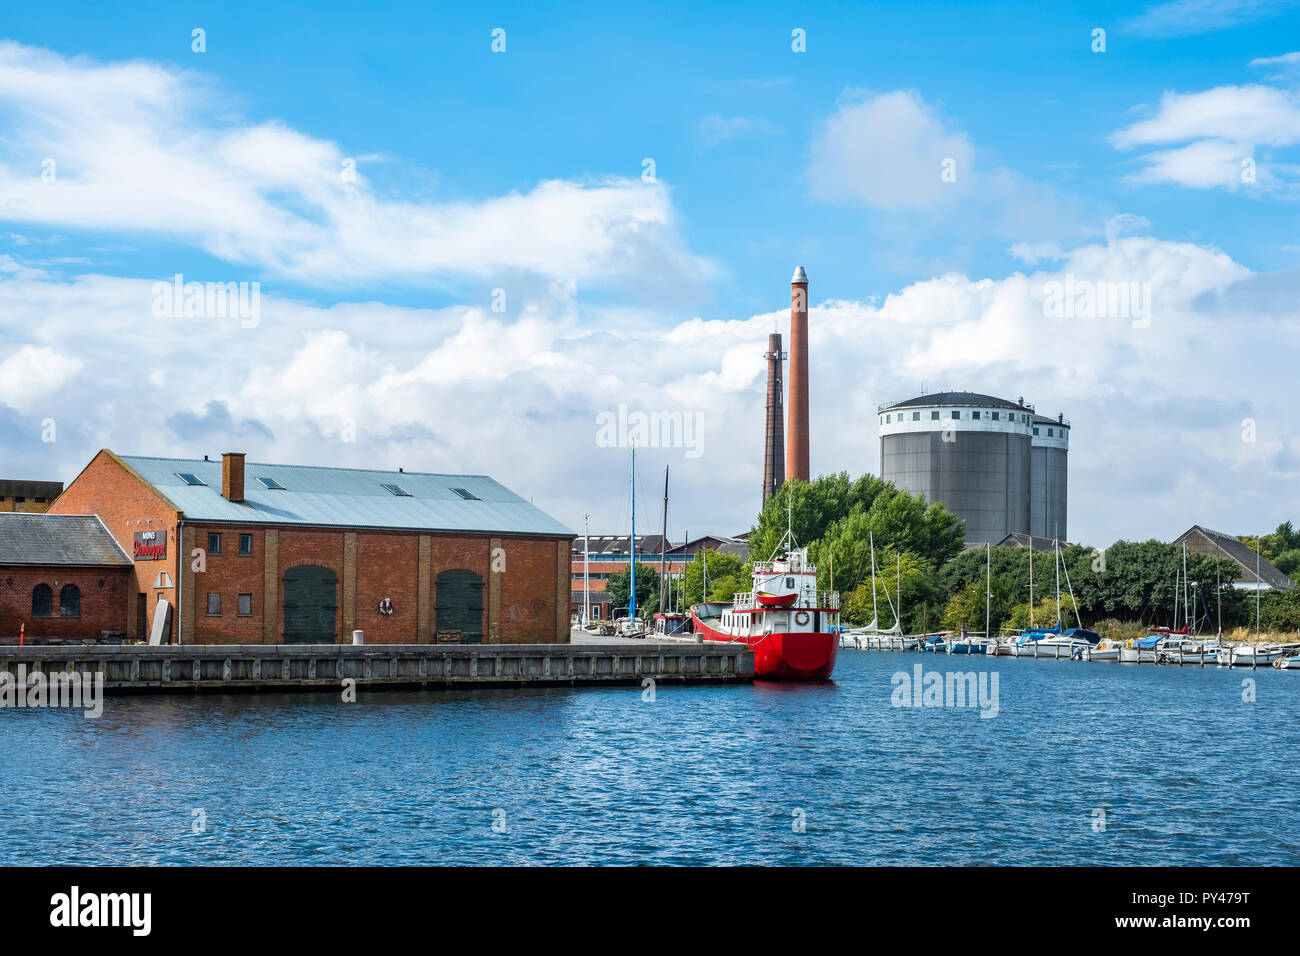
{"points": [[516, 396], [138, 147], [888, 152], [1190, 17], [1223, 131], [716, 129]]}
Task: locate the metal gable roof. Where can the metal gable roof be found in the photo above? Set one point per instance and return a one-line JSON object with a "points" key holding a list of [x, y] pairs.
{"points": [[346, 497], [71, 540]]}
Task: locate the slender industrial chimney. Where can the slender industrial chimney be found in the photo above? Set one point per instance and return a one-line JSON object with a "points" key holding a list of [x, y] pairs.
{"points": [[232, 475], [774, 433], [796, 449]]}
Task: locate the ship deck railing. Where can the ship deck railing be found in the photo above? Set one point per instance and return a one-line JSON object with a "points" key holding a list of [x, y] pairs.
{"points": [[830, 600]]}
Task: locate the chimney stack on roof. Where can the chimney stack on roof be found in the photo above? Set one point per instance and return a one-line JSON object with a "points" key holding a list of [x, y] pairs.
{"points": [[232, 475]]}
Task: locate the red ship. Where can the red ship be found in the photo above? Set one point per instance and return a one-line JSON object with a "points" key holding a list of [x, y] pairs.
{"points": [[789, 625]]}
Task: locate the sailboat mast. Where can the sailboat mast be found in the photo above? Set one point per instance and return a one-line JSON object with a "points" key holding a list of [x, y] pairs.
{"points": [[875, 618], [898, 589], [988, 584], [663, 545], [1056, 543], [631, 607], [586, 568], [1031, 580], [1187, 609]]}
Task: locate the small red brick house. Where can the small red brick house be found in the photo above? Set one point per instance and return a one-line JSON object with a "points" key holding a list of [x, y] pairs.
{"points": [[250, 553], [61, 576]]}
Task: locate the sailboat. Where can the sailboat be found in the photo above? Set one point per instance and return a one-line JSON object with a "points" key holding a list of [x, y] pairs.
{"points": [[1058, 641], [967, 644]]}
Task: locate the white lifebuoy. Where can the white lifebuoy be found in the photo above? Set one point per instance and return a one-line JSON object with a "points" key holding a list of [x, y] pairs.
{"points": [[801, 618], [386, 607]]}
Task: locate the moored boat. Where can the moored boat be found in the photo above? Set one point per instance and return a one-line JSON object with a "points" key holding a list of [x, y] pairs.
{"points": [[797, 639], [1249, 655]]}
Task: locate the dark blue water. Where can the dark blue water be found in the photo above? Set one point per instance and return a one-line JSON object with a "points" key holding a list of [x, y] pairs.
{"points": [[1185, 771]]}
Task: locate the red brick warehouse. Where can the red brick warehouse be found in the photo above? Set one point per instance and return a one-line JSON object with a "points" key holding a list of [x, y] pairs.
{"points": [[268, 554]]}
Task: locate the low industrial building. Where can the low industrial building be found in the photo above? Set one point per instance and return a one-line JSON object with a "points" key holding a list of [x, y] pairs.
{"points": [[255, 553], [28, 496], [1216, 544]]}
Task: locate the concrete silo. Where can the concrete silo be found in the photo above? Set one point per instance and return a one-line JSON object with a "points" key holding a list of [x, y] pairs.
{"points": [[1048, 486], [971, 452]]}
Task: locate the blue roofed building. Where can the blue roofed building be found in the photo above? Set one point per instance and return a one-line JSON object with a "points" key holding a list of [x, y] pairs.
{"points": [[264, 553]]}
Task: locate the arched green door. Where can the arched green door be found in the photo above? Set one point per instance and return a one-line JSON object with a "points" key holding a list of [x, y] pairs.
{"points": [[309, 604], [460, 604]]}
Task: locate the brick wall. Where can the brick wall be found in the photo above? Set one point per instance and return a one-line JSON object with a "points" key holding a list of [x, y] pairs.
{"points": [[126, 504], [103, 602], [371, 566]]}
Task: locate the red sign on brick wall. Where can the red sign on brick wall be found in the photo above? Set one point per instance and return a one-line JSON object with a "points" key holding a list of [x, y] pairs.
{"points": [[150, 545]]}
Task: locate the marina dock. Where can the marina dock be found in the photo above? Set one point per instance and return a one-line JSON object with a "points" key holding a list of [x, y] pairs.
{"points": [[253, 667]]}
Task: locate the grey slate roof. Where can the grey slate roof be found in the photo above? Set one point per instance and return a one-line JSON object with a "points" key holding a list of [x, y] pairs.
{"points": [[346, 497], [71, 540], [1218, 544]]}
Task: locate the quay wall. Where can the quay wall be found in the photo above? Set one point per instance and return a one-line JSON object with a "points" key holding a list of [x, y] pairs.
{"points": [[227, 668]]}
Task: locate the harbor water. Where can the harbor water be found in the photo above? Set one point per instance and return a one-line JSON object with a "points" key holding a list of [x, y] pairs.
{"points": [[1087, 764]]}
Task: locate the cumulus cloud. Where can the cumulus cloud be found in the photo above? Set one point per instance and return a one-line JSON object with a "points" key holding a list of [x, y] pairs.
{"points": [[896, 154], [888, 151], [140, 147], [1222, 131], [517, 395]]}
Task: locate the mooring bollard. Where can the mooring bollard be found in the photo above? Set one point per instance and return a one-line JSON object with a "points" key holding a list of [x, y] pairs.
{"points": [[358, 637]]}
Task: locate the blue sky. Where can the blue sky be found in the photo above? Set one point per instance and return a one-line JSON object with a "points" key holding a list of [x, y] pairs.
{"points": [[764, 158]]}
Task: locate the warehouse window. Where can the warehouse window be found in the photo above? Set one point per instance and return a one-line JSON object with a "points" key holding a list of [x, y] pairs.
{"points": [[995, 416], [214, 542], [467, 494], [887, 419], [916, 416], [42, 601], [245, 544], [397, 490], [956, 414], [934, 416], [1035, 429], [245, 608], [190, 479], [1049, 433], [975, 414], [214, 604], [70, 601]]}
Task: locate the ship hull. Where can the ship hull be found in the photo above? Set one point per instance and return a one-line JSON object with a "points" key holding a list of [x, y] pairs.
{"points": [[791, 655]]}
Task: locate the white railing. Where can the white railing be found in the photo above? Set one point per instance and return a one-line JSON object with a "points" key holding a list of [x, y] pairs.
{"points": [[745, 600]]}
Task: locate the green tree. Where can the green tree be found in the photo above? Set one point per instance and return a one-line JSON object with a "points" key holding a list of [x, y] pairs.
{"points": [[619, 589], [724, 572], [968, 606]]}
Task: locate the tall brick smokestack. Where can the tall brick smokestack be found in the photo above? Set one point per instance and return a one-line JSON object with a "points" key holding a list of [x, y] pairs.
{"points": [[774, 433], [796, 449]]}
